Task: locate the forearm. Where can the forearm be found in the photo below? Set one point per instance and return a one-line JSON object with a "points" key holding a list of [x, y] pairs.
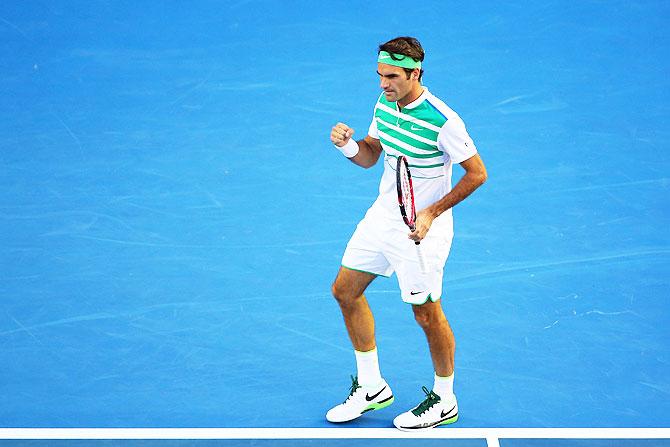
{"points": [[465, 186], [367, 155], [364, 152]]}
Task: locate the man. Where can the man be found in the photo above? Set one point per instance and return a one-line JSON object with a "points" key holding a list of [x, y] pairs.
{"points": [[408, 120]]}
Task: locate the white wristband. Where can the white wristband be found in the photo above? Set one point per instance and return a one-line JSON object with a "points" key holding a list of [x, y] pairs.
{"points": [[350, 149]]}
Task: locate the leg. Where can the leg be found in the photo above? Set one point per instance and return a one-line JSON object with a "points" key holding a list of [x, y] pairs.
{"points": [[440, 337], [372, 393], [440, 406], [348, 290]]}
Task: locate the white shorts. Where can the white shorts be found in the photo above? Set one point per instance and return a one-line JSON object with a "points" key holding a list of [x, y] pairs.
{"points": [[380, 246]]}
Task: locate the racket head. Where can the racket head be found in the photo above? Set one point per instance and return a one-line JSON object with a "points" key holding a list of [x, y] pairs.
{"points": [[405, 192]]}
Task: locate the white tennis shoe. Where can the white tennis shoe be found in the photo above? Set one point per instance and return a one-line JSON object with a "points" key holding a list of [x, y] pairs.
{"points": [[433, 411], [361, 400]]}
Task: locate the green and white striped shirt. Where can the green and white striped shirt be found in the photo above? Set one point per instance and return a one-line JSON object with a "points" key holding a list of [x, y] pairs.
{"points": [[432, 137]]}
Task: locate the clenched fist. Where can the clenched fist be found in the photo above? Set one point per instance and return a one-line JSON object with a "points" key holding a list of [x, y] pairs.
{"points": [[341, 134]]}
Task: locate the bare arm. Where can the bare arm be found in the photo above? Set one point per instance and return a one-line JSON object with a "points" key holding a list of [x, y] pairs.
{"points": [[369, 149], [475, 175]]}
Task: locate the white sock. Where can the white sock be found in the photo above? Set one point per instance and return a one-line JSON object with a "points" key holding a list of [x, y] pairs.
{"points": [[444, 386], [367, 364]]}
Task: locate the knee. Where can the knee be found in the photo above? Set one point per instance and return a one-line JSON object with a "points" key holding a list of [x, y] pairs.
{"points": [[341, 294], [422, 318], [428, 319]]}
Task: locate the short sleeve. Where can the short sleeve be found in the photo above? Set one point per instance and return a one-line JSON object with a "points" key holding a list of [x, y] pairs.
{"points": [[372, 130], [455, 141]]}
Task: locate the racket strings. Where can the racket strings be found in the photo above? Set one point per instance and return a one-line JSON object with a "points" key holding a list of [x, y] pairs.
{"points": [[407, 199]]}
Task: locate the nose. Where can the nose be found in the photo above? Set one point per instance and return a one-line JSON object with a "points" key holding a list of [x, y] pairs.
{"points": [[383, 83]]}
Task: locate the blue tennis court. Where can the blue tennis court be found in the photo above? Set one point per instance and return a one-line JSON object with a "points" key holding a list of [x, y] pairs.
{"points": [[172, 213]]}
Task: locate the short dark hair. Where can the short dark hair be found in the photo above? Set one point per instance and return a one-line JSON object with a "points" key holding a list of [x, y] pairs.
{"points": [[407, 46]]}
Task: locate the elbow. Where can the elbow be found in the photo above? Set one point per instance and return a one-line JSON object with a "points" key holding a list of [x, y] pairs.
{"points": [[481, 177], [370, 162]]}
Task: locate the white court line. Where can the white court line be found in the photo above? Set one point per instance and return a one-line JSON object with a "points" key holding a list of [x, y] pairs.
{"points": [[490, 434]]}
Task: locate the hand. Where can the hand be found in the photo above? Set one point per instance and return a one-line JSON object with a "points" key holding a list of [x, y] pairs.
{"points": [[341, 134], [424, 219]]}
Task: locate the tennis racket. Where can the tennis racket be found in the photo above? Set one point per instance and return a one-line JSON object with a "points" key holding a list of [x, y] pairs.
{"points": [[406, 202]]}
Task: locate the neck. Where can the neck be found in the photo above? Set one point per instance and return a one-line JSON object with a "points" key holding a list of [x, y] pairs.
{"points": [[416, 91]]}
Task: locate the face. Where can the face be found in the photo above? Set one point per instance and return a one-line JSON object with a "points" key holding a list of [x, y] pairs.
{"points": [[393, 80]]}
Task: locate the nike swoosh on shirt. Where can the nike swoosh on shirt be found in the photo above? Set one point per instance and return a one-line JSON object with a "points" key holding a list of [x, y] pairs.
{"points": [[416, 293], [369, 398]]}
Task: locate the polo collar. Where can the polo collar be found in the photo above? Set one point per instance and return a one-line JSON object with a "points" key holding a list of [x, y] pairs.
{"points": [[417, 101]]}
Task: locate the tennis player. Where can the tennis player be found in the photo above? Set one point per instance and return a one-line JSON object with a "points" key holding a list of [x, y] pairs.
{"points": [[408, 120]]}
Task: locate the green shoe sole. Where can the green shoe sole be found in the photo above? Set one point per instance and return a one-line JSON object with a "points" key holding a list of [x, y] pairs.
{"points": [[451, 420], [379, 406]]}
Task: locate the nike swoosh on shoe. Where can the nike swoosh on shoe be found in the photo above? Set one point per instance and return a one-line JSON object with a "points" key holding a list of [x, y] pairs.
{"points": [[374, 396], [444, 415]]}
